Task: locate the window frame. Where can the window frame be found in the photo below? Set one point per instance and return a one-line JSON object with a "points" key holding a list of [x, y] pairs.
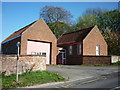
{"points": [[79, 49], [70, 49], [98, 50]]}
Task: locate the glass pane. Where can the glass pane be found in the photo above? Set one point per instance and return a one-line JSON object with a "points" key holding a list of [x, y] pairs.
{"points": [[97, 50], [79, 49], [70, 50]]}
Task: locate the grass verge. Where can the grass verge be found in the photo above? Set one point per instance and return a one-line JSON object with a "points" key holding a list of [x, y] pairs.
{"points": [[30, 78]]}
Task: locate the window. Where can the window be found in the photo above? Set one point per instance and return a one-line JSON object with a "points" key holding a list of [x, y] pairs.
{"points": [[98, 50], [70, 50], [64, 54], [38, 53], [33, 53], [44, 54], [78, 49]]}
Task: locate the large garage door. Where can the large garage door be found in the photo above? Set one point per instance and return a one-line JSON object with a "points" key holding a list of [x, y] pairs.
{"points": [[39, 48]]}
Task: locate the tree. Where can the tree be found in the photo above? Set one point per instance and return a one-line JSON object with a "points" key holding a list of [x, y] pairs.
{"points": [[89, 18], [113, 40], [59, 27], [86, 21], [108, 23], [57, 18], [94, 11], [102, 18], [109, 19]]}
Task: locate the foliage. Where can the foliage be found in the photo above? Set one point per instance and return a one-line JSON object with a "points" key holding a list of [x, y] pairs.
{"points": [[102, 18], [113, 40], [116, 63], [108, 23], [59, 21], [94, 11], [110, 20], [59, 28], [89, 18], [30, 78], [85, 21], [57, 18]]}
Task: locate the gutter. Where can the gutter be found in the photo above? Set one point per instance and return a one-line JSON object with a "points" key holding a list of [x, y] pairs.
{"points": [[69, 43], [11, 38]]}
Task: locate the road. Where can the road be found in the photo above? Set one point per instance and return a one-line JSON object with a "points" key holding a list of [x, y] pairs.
{"points": [[107, 82], [83, 77], [77, 72]]}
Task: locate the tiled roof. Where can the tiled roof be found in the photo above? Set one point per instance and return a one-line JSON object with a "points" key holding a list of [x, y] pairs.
{"points": [[75, 36], [18, 32]]}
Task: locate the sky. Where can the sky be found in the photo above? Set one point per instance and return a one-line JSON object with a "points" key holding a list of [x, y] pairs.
{"points": [[16, 15]]}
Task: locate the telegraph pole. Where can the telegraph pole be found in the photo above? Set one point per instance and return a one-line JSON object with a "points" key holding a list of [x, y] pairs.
{"points": [[17, 63]]}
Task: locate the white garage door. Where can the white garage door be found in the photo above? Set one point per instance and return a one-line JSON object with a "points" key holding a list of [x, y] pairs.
{"points": [[39, 48]]}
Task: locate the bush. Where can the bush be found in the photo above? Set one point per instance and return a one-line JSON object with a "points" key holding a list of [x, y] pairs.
{"points": [[116, 63]]}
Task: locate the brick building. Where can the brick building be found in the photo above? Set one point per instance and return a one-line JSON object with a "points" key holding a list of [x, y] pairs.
{"points": [[75, 45], [35, 39]]}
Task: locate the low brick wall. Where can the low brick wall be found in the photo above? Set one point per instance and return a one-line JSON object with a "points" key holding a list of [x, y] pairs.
{"points": [[115, 59], [26, 63], [74, 60], [96, 60]]}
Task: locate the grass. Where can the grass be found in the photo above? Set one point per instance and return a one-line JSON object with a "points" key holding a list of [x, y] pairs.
{"points": [[30, 78]]}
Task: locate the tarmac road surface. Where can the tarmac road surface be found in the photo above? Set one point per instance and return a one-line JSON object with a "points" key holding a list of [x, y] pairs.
{"points": [[77, 72], [84, 77], [108, 81]]}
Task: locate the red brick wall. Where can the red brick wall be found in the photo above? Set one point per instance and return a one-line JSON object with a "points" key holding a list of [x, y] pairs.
{"points": [[96, 60], [39, 31], [74, 60], [91, 40], [78, 60]]}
